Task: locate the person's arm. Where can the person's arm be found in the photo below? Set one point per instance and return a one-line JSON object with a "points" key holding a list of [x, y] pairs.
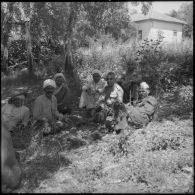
{"points": [[101, 98], [120, 95], [57, 114], [26, 117], [37, 110], [66, 100], [149, 105]]}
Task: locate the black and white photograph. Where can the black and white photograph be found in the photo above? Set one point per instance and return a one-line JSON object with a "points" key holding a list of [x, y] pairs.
{"points": [[97, 97]]}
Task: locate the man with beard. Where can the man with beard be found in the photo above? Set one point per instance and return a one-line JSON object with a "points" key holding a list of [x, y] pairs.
{"points": [[141, 114], [91, 92], [112, 95], [45, 106]]}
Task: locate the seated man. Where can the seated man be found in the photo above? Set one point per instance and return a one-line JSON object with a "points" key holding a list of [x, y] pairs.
{"points": [[91, 92], [141, 113], [112, 93], [45, 106], [14, 112], [62, 94]]}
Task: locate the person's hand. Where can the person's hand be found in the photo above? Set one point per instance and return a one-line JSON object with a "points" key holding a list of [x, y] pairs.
{"points": [[109, 102], [66, 119]]}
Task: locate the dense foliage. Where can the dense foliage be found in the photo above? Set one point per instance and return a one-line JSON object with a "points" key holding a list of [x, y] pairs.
{"points": [[185, 13]]}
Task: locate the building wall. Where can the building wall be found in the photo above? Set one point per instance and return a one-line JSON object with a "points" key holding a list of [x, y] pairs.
{"points": [[167, 29], [151, 29], [145, 26]]}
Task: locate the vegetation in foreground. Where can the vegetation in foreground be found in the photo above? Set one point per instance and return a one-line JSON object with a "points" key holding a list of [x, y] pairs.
{"points": [[158, 158]]}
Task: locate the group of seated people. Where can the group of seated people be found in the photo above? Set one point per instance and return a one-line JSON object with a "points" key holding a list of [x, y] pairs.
{"points": [[51, 106], [101, 97], [118, 105]]}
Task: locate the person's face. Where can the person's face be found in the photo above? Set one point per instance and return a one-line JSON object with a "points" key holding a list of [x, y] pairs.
{"points": [[49, 91], [110, 80], [18, 102], [59, 81], [96, 77], [143, 93]]}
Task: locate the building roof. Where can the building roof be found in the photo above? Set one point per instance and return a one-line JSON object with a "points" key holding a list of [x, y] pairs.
{"points": [[155, 16]]}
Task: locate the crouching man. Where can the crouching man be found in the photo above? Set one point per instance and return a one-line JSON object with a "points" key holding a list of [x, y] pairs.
{"points": [[45, 108]]}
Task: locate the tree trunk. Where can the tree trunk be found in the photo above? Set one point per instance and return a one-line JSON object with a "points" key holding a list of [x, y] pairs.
{"points": [[29, 48], [6, 27], [5, 52], [68, 68], [28, 36]]}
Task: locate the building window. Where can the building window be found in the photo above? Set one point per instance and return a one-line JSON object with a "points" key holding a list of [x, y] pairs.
{"points": [[174, 33], [139, 34]]}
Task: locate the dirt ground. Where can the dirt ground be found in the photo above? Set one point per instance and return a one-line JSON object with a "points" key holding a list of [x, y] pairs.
{"points": [[84, 159]]}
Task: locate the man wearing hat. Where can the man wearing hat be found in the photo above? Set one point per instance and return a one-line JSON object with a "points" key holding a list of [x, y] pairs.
{"points": [[141, 113], [45, 106], [91, 92], [14, 112]]}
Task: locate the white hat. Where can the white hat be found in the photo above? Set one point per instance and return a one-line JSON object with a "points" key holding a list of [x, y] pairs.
{"points": [[144, 85], [59, 75], [49, 82], [97, 71]]}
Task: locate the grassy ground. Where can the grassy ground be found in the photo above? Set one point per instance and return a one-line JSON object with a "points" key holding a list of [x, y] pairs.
{"points": [[158, 158]]}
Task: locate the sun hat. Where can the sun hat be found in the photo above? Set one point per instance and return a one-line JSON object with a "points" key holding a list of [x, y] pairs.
{"points": [[96, 71], [59, 75], [144, 85], [49, 82]]}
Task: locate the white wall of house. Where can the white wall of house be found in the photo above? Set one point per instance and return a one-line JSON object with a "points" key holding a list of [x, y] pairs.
{"points": [[145, 26], [167, 29], [151, 28]]}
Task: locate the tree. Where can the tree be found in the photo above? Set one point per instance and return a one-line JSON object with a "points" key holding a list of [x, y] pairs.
{"points": [[68, 24], [185, 13], [172, 13], [6, 18]]}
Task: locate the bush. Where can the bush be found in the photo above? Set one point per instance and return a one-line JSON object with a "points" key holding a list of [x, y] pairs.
{"points": [[184, 99]]}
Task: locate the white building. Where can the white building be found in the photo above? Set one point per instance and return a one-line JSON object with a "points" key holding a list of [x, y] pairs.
{"points": [[153, 25]]}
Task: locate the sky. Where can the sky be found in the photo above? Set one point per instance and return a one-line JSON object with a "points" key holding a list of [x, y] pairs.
{"points": [[163, 6]]}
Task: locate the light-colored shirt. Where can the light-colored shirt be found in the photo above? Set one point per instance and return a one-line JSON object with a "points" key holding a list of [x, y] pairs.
{"points": [[114, 94], [46, 108], [12, 115], [89, 100], [117, 93], [96, 86]]}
